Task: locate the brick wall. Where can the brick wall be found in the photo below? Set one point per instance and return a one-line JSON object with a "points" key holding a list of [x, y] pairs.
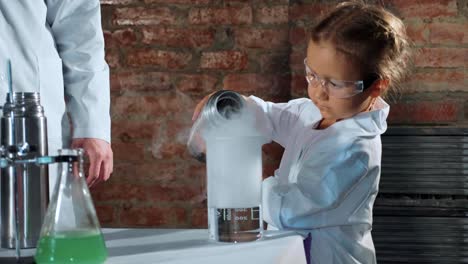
{"points": [[165, 55]]}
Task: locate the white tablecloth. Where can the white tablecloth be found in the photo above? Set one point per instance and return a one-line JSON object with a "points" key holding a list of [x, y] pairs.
{"points": [[177, 246]]}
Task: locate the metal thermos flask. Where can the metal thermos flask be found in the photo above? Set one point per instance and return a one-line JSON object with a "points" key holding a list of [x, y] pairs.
{"points": [[220, 107], [24, 199]]}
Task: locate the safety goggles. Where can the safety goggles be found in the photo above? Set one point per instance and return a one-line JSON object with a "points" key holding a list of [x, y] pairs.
{"points": [[336, 88]]}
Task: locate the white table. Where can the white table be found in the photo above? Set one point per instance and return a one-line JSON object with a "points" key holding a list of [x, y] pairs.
{"points": [[177, 246]]}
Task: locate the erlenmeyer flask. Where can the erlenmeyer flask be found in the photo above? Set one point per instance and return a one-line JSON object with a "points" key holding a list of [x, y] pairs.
{"points": [[71, 231]]}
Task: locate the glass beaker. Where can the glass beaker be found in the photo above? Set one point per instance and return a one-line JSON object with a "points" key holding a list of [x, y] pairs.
{"points": [[71, 231], [234, 168], [226, 131]]}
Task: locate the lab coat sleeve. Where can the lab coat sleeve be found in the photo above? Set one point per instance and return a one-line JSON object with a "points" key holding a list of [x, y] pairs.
{"points": [[317, 189], [76, 27], [276, 120]]}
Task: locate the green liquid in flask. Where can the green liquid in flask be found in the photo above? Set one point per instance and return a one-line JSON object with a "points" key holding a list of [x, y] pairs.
{"points": [[71, 247]]}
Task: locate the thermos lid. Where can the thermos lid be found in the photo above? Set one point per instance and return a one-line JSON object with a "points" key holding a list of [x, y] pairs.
{"points": [[24, 104], [222, 105]]}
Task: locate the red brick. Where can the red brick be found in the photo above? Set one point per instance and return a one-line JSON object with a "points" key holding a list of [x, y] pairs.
{"points": [[199, 218], [262, 38], [296, 59], [449, 33], [105, 214], [158, 58], [179, 37], [298, 36], [224, 60], [153, 216], [110, 42], [119, 2], [438, 112], [159, 193], [173, 142], [162, 172], [442, 57], [418, 32], [162, 148], [128, 151], [197, 83], [235, 2], [276, 98], [278, 2], [129, 131], [197, 172], [308, 11], [170, 150], [424, 9], [250, 83], [259, 2], [180, 2], [140, 81], [113, 192], [113, 58], [145, 16], [147, 106], [223, 16], [121, 37], [438, 80], [272, 15], [274, 62], [178, 130], [298, 85]]}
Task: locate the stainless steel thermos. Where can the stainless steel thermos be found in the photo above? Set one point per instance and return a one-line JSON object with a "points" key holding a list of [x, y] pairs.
{"points": [[220, 107], [24, 199]]}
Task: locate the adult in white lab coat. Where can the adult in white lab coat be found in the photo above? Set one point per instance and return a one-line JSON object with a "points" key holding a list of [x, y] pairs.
{"points": [[57, 49], [327, 180]]}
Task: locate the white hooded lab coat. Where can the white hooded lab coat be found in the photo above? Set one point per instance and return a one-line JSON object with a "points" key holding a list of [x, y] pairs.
{"points": [[327, 180], [57, 49]]}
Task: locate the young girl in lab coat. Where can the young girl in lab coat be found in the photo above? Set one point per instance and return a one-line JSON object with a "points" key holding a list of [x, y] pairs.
{"points": [[329, 174]]}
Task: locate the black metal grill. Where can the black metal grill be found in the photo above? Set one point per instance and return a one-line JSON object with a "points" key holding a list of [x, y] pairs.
{"points": [[420, 215]]}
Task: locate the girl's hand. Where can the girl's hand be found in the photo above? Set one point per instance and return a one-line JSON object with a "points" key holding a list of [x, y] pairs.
{"points": [[200, 106]]}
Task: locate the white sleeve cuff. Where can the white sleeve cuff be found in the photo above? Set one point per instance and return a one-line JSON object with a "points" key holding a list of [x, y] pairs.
{"points": [[271, 202], [88, 132]]}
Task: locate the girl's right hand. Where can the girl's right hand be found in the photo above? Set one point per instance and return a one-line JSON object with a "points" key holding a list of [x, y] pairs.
{"points": [[200, 106]]}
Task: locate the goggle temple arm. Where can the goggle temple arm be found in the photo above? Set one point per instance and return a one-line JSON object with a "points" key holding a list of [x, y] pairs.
{"points": [[367, 82]]}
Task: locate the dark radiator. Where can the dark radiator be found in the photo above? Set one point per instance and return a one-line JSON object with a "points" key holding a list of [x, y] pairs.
{"points": [[420, 215]]}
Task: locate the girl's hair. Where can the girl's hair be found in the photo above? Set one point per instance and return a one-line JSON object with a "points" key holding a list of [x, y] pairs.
{"points": [[369, 34]]}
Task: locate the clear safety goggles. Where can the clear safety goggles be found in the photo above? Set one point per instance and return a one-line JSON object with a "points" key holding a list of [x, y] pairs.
{"points": [[335, 88]]}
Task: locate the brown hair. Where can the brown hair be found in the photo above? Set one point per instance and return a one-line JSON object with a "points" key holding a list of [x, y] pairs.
{"points": [[369, 34]]}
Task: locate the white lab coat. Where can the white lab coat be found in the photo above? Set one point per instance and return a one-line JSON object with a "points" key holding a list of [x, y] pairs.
{"points": [[57, 49], [327, 180]]}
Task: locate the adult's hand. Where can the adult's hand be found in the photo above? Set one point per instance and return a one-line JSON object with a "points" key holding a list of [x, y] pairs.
{"points": [[100, 157]]}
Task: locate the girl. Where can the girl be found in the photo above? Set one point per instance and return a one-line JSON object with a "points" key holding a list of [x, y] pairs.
{"points": [[329, 173]]}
